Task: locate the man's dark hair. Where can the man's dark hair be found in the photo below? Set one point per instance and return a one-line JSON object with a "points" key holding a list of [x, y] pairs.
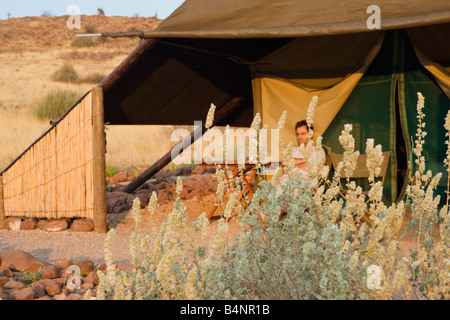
{"points": [[303, 123]]}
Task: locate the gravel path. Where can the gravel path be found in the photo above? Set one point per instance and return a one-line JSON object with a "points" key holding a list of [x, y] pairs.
{"points": [[49, 246]]}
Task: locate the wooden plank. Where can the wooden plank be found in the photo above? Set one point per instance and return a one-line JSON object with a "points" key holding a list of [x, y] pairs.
{"points": [[88, 159], [53, 199], [2, 207], [98, 156], [126, 65], [221, 114]]}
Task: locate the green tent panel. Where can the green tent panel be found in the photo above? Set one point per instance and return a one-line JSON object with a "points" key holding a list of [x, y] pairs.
{"points": [[383, 107]]}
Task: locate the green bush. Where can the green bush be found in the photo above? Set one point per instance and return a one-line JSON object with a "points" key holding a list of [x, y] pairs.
{"points": [[66, 73], [55, 104], [111, 171], [31, 277]]}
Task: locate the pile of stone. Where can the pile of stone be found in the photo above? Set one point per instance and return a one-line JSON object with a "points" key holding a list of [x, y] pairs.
{"points": [[50, 225], [197, 182], [22, 277]]}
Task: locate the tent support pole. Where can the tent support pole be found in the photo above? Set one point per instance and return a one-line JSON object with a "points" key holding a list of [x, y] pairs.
{"points": [[98, 149], [221, 115]]}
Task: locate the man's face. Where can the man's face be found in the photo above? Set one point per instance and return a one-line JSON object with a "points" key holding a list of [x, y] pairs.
{"points": [[302, 135]]}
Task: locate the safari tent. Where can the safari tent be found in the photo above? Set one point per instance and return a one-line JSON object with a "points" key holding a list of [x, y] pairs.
{"points": [[266, 56], [272, 56]]}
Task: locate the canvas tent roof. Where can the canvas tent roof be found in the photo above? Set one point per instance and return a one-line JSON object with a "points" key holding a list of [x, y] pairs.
{"points": [[294, 18], [202, 53]]}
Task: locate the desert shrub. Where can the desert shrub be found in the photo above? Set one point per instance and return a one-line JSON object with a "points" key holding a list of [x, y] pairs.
{"points": [[82, 42], [111, 171], [66, 73], [55, 104], [30, 277], [328, 247], [92, 78], [88, 28]]}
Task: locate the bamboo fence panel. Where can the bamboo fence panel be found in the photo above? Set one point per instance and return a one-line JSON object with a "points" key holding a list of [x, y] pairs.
{"points": [[54, 177]]}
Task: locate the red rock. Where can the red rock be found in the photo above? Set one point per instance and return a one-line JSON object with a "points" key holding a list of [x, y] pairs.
{"points": [[92, 277], [4, 295], [116, 199], [29, 224], [53, 289], [24, 294], [144, 197], [163, 195], [82, 225], [198, 170], [61, 281], [3, 281], [42, 223], [37, 267], [63, 263], [50, 272], [13, 223], [17, 260], [86, 266], [74, 296], [38, 288], [56, 226], [12, 284], [6, 272], [46, 282], [122, 208], [87, 285], [120, 177]]}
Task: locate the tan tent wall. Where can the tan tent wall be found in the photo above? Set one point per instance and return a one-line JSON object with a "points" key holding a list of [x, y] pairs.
{"points": [[56, 176], [288, 79]]}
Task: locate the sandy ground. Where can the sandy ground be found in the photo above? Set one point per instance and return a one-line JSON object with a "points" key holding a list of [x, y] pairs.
{"points": [[49, 246], [26, 76]]}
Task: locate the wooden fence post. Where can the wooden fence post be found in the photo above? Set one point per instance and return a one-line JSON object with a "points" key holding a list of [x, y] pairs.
{"points": [[98, 153], [2, 207]]}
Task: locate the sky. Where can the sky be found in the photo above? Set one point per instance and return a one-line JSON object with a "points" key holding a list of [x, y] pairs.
{"points": [[144, 8]]}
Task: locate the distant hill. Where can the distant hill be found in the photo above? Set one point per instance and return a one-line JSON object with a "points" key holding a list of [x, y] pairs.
{"points": [[42, 33], [33, 48]]}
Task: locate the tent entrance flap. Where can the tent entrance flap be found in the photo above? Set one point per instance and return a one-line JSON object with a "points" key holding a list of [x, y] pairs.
{"points": [[378, 98], [288, 78], [383, 107]]}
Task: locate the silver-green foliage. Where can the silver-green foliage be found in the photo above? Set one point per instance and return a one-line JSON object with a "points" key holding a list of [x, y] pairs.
{"points": [[329, 246]]}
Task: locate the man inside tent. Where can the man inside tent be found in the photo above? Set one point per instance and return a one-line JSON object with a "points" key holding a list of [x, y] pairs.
{"points": [[302, 130], [300, 162]]}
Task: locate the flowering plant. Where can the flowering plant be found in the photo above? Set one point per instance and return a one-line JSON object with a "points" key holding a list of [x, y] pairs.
{"points": [[329, 246]]}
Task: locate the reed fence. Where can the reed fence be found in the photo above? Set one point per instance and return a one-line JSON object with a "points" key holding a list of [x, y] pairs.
{"points": [[62, 174]]}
